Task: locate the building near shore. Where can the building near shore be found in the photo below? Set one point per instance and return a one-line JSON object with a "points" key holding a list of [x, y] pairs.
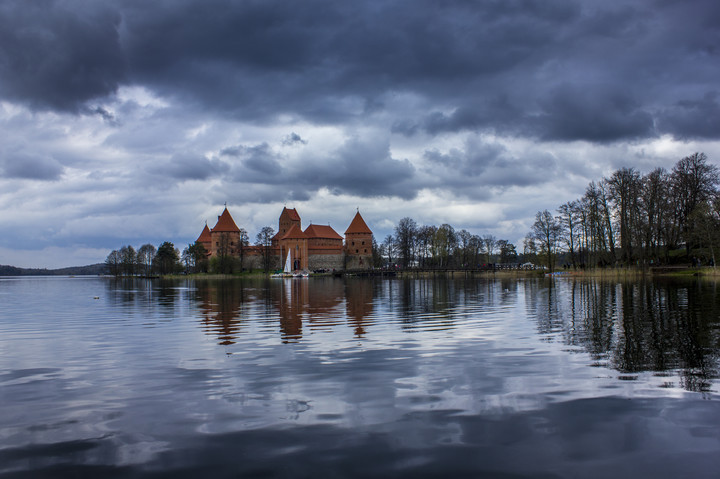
{"points": [[318, 247]]}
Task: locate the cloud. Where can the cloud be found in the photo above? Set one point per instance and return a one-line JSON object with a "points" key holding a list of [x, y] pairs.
{"points": [[689, 119], [595, 113], [190, 167], [57, 55], [500, 106], [30, 166], [361, 167], [293, 139]]}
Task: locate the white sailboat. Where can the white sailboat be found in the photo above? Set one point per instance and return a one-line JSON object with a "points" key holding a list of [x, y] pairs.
{"points": [[288, 265]]}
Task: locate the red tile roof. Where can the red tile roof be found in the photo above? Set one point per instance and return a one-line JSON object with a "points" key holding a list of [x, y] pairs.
{"points": [[322, 231], [225, 223], [294, 233], [292, 213], [358, 226], [204, 236]]}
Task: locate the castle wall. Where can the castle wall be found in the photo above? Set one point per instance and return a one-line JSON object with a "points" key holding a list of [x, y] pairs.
{"points": [[256, 262], [326, 261], [358, 262]]}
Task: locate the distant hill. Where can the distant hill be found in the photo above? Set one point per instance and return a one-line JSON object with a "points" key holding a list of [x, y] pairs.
{"points": [[92, 269]]}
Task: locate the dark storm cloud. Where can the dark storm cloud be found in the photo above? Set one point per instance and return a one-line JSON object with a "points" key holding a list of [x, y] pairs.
{"points": [[58, 55], [30, 166], [693, 119], [592, 113], [550, 69]]}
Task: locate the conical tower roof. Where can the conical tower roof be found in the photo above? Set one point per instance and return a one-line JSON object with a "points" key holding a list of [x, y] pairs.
{"points": [[358, 226], [225, 223], [205, 235]]}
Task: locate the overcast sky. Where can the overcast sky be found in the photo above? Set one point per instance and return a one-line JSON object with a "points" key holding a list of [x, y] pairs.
{"points": [[131, 122]]}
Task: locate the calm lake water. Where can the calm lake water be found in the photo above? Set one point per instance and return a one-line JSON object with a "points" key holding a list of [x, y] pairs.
{"points": [[332, 378]]}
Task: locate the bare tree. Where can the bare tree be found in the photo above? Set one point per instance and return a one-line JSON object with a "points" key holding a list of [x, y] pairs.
{"points": [[489, 241], [405, 236], [693, 182], [569, 222], [113, 263], [128, 259], [264, 240], [145, 256], [546, 231]]}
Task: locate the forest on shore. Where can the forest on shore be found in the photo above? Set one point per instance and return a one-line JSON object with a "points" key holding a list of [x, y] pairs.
{"points": [[625, 220]]}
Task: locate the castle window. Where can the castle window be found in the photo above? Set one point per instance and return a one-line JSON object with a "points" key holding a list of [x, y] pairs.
{"points": [[363, 242], [353, 243], [357, 250], [366, 251]]}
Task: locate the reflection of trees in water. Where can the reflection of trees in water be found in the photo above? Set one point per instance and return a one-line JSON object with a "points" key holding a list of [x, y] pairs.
{"points": [[220, 303], [636, 326], [438, 300], [129, 290]]}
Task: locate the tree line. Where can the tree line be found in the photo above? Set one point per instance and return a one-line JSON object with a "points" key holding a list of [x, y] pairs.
{"points": [[440, 247], [630, 219]]}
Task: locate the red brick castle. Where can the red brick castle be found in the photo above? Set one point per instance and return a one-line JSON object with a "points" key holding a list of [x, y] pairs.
{"points": [[318, 247]]}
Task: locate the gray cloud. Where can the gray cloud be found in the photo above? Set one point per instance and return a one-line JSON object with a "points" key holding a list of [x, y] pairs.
{"points": [[57, 55], [515, 67], [214, 101], [293, 139], [364, 168], [190, 167], [30, 166]]}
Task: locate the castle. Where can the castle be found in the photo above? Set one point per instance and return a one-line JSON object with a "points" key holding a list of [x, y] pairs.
{"points": [[318, 247]]}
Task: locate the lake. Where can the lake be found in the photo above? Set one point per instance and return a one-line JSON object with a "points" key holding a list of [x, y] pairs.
{"points": [[329, 377]]}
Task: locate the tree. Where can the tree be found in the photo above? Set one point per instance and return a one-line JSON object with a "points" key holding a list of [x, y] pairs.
{"points": [[693, 182], [167, 259], [569, 222], [624, 187], [264, 240], [507, 252], [464, 240], [145, 257], [377, 259], [113, 262], [658, 227], [405, 233], [546, 231], [195, 257], [244, 241], [128, 260], [424, 240], [489, 242]]}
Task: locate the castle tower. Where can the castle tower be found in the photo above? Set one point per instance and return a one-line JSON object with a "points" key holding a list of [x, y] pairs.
{"points": [[295, 242], [225, 236], [358, 243], [288, 218], [205, 239]]}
